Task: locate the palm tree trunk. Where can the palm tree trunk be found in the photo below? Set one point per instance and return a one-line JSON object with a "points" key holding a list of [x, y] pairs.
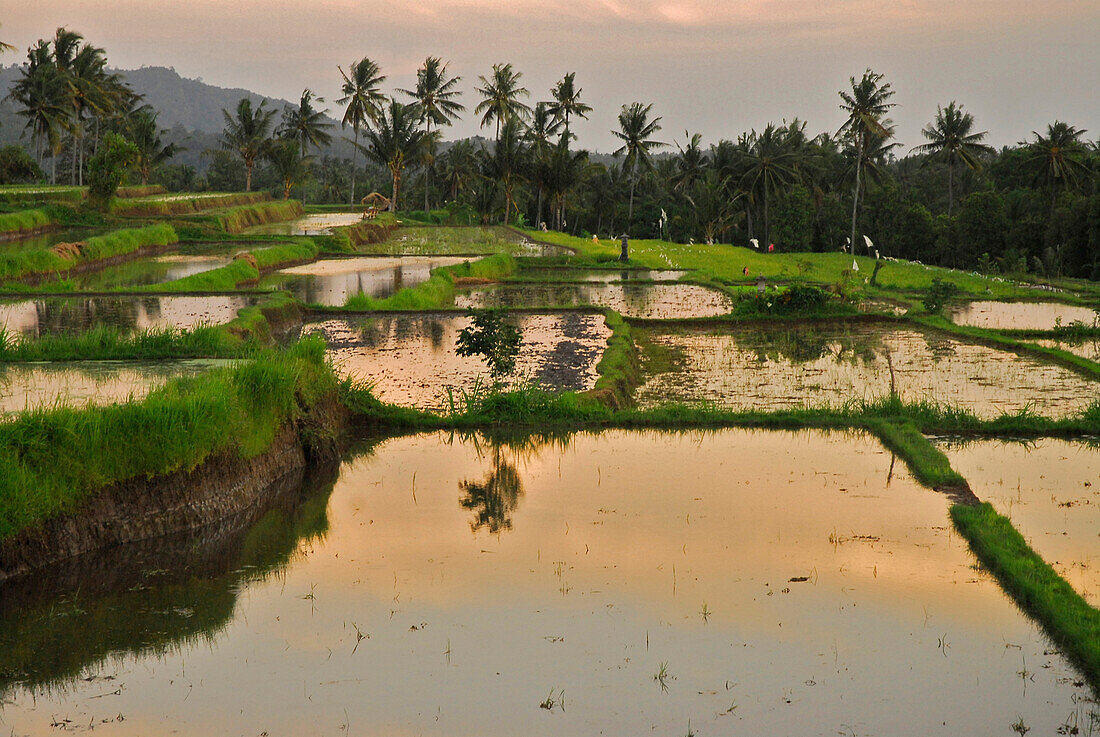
{"points": [[396, 189], [950, 187], [633, 181], [538, 214], [354, 154], [427, 166], [248, 176], [855, 196], [767, 225]]}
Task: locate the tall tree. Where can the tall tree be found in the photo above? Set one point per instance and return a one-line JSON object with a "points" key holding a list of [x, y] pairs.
{"points": [[866, 105], [248, 134], [501, 97], [363, 97], [635, 130], [567, 100], [691, 162], [42, 93], [508, 162], [542, 128], [394, 141], [306, 124], [287, 163], [1057, 159], [771, 163], [151, 150], [951, 141], [436, 95]]}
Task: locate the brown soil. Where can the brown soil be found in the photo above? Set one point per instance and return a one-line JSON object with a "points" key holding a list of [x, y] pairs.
{"points": [[139, 509]]}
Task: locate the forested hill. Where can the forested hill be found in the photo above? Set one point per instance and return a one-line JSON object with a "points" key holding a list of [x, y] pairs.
{"points": [[186, 106]]}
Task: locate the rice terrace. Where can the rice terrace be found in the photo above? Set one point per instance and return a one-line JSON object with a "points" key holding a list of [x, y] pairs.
{"points": [[446, 401]]}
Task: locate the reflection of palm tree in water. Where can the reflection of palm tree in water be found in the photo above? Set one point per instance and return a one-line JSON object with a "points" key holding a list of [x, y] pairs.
{"points": [[805, 346], [493, 500]]}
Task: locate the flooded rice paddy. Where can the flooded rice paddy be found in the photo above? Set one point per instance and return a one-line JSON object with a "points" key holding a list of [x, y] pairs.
{"points": [[70, 315], [316, 224], [653, 301], [770, 368], [1084, 347], [410, 358], [32, 385], [332, 281], [624, 583], [1019, 315], [148, 271], [44, 241], [1050, 488], [428, 241]]}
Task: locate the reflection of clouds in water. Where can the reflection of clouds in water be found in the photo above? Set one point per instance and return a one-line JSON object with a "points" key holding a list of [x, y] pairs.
{"points": [[788, 368], [66, 315]]}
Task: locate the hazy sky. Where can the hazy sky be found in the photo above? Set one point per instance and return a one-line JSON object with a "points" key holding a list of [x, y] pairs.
{"points": [[715, 67]]}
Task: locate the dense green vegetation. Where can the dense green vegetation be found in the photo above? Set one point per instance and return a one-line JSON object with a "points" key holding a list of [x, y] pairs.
{"points": [[24, 221], [246, 268], [236, 219], [178, 426], [19, 264], [108, 343]]}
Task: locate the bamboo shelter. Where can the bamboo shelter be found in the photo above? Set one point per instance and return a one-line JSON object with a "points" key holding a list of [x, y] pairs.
{"points": [[375, 203]]}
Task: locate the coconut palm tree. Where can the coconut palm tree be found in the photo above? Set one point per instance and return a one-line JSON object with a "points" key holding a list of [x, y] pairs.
{"points": [[1058, 158], [635, 130], [248, 134], [951, 141], [287, 162], [866, 105], [691, 163], [43, 95], [363, 98], [151, 150], [542, 128], [567, 171], [306, 124], [394, 141], [459, 167], [501, 97], [772, 164], [6, 47], [436, 95], [508, 162], [567, 100]]}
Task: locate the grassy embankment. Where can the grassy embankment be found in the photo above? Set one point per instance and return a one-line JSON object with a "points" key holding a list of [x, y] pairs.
{"points": [[246, 268], [438, 291], [236, 219], [25, 221], [41, 193], [1037, 588], [106, 343], [447, 241], [726, 263], [183, 204], [21, 264], [175, 427]]}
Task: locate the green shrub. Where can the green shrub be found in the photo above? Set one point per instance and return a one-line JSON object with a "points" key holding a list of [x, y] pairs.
{"points": [[937, 295]]}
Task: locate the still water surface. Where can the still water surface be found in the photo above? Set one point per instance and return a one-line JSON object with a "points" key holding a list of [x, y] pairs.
{"points": [[745, 582]]}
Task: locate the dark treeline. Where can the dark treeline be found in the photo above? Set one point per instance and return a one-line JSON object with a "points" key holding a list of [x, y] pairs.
{"points": [[1032, 207]]}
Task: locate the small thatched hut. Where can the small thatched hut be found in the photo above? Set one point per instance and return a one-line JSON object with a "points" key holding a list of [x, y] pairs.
{"points": [[375, 203]]}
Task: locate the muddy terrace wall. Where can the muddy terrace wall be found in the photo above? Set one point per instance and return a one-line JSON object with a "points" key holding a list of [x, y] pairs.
{"points": [[226, 485]]}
